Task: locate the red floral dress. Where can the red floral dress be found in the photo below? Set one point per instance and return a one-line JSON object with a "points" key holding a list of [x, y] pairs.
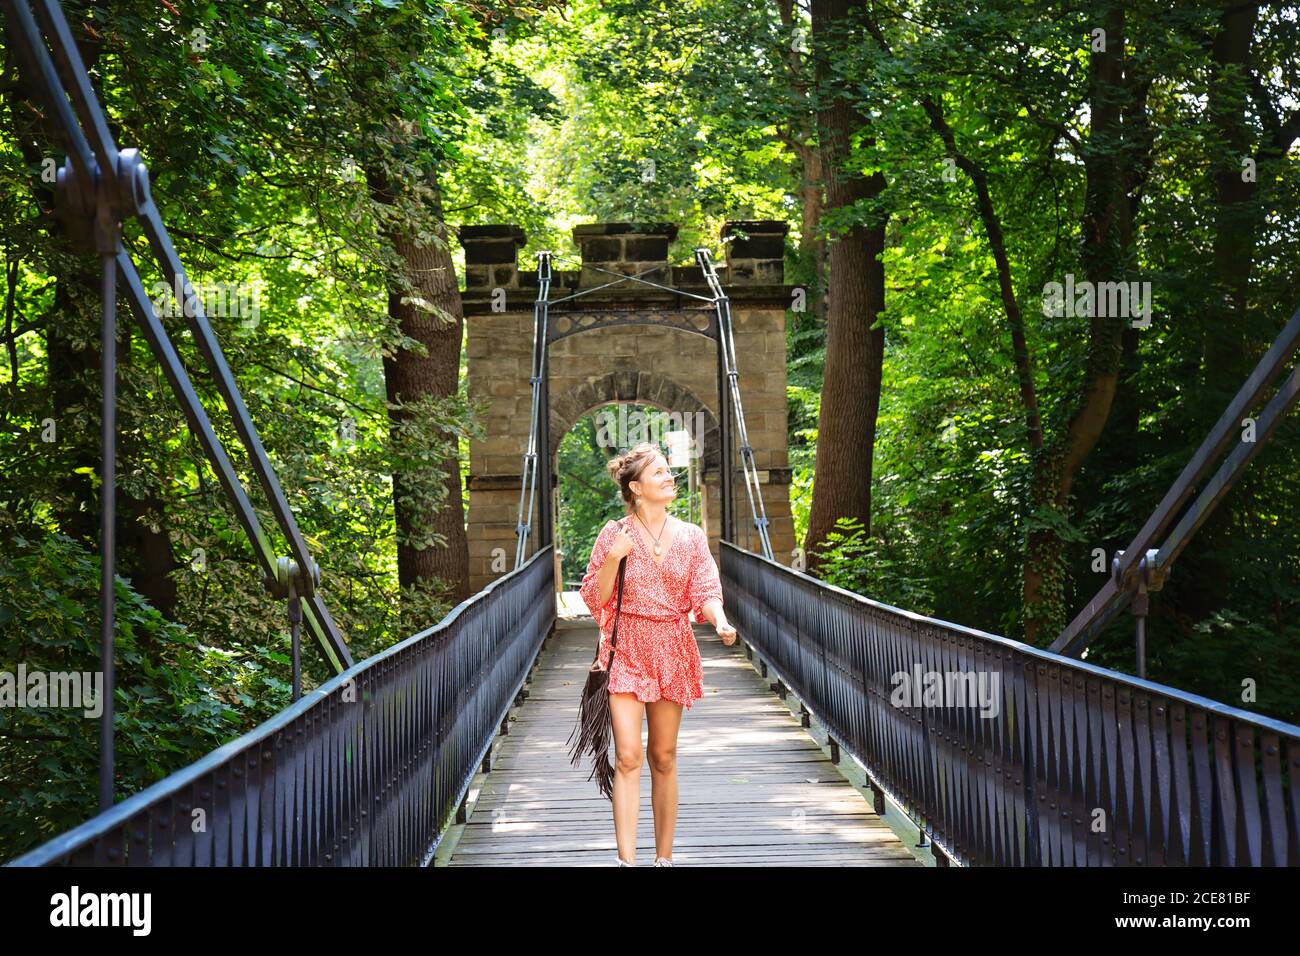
{"points": [[656, 655]]}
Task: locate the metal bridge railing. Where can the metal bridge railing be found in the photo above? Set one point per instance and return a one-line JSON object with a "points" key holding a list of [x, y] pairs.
{"points": [[365, 770], [1057, 763]]}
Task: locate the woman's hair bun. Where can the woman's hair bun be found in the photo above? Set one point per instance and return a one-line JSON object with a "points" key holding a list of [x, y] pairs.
{"points": [[624, 468]]}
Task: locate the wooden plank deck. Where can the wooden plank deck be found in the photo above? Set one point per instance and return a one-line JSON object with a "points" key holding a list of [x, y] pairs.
{"points": [[754, 789]]}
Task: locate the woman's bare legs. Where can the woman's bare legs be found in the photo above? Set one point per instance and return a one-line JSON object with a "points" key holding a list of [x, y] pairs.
{"points": [[665, 718], [626, 713]]}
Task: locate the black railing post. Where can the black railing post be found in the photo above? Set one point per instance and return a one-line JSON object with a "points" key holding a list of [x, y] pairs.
{"points": [[295, 640], [1141, 604], [108, 230]]}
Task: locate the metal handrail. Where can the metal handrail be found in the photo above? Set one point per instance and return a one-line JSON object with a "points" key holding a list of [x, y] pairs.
{"points": [[364, 770], [1079, 766]]}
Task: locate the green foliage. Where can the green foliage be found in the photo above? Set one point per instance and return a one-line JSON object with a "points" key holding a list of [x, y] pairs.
{"points": [[953, 478], [589, 497], [1229, 649], [873, 566], [177, 698]]}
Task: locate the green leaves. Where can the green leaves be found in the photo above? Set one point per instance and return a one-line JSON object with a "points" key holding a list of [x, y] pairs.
{"points": [[49, 622]]}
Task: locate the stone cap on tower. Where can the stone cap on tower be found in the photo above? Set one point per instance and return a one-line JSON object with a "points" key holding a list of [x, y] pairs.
{"points": [[491, 255], [627, 248], [755, 251]]}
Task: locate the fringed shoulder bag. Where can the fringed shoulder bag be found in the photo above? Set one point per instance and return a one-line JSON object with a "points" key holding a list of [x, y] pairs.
{"points": [[595, 726]]}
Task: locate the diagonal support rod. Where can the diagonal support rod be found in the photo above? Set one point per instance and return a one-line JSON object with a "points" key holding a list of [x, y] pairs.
{"points": [[95, 164], [1135, 565], [537, 437]]}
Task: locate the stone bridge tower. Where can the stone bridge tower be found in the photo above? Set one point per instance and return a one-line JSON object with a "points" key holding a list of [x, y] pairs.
{"points": [[628, 343]]}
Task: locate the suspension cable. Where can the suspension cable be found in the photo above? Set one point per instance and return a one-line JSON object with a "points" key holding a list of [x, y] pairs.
{"points": [[527, 488], [726, 343]]}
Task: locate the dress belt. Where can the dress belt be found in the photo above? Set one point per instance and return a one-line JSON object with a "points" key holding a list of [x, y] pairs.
{"points": [[681, 616]]}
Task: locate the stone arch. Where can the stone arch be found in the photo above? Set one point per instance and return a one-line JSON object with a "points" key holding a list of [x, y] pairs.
{"points": [[641, 387]]}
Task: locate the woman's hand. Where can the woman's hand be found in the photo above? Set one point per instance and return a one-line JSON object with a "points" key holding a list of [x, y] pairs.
{"points": [[726, 632], [623, 543]]}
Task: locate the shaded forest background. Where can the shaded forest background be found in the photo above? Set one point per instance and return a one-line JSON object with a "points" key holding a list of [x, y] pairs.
{"points": [[940, 165]]}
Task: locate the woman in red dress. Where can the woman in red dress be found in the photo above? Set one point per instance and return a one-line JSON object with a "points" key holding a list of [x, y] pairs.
{"points": [[656, 669]]}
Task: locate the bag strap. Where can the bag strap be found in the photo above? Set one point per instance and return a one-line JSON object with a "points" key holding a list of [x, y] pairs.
{"points": [[613, 637]]}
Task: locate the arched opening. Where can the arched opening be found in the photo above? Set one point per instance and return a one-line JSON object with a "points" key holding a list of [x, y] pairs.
{"points": [[587, 432]]}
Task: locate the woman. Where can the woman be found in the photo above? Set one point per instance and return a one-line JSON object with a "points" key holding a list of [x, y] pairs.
{"points": [[656, 668]]}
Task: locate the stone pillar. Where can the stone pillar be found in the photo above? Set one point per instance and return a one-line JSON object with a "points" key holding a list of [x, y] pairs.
{"points": [[755, 251], [491, 256], [498, 317]]}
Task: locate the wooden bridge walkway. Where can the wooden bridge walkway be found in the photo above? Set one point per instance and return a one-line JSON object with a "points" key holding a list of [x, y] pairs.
{"points": [[754, 788]]}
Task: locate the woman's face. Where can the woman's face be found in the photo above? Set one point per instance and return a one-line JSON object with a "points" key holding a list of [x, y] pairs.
{"points": [[655, 483]]}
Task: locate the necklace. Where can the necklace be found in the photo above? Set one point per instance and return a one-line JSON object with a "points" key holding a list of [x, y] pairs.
{"points": [[658, 550]]}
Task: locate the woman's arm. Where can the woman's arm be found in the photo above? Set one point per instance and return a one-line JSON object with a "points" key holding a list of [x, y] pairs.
{"points": [[613, 542], [703, 587], [713, 613]]}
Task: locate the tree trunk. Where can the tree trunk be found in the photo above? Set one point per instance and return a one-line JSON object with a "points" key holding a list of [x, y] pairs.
{"points": [[856, 296], [812, 246], [1226, 351], [413, 378], [1227, 346]]}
